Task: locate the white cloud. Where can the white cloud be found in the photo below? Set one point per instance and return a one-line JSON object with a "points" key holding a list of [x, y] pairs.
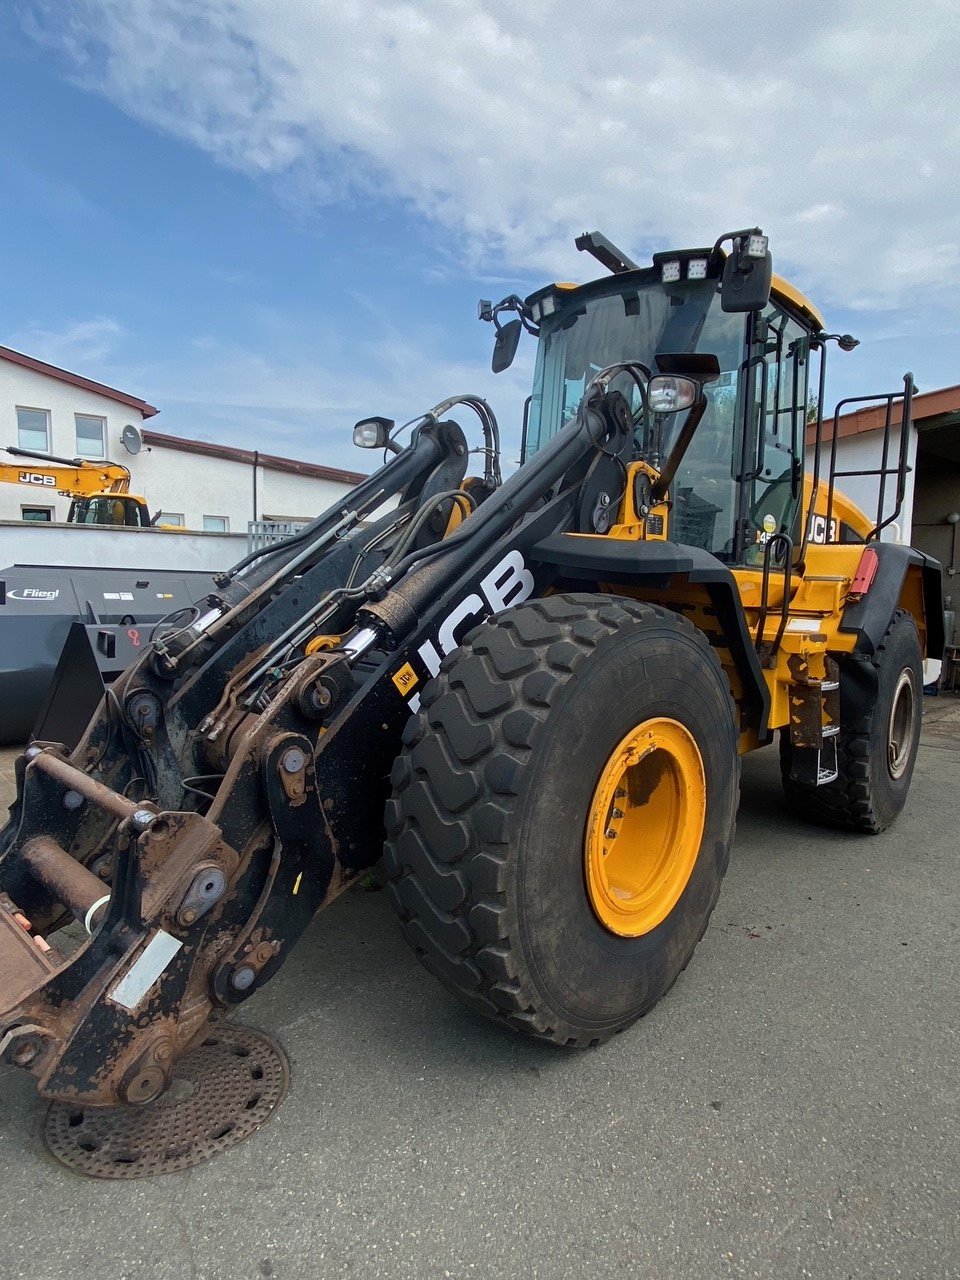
{"points": [[835, 126], [75, 346]]}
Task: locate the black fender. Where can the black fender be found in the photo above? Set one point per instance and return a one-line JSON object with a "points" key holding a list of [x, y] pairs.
{"points": [[869, 617], [662, 565]]}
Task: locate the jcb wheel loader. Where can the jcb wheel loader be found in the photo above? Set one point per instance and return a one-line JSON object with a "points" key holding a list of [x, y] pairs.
{"points": [[545, 683]]}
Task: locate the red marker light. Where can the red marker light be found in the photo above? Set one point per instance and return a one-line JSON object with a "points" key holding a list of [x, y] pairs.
{"points": [[866, 572]]}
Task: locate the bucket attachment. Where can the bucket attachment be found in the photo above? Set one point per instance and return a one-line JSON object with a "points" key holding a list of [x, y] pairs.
{"points": [[92, 657]]}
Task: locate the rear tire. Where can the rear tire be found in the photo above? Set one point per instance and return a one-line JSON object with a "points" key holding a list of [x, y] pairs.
{"points": [[488, 848], [877, 747]]}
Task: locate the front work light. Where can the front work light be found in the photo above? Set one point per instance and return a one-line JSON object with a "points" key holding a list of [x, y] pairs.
{"points": [[372, 433], [667, 394], [697, 269], [756, 246], [670, 272]]}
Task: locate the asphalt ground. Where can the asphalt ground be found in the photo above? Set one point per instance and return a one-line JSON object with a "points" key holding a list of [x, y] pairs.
{"points": [[790, 1109]]}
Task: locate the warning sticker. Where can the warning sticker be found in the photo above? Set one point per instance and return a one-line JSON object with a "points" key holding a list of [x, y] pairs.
{"points": [[769, 524]]}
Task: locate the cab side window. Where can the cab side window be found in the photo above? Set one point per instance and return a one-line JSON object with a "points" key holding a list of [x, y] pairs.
{"points": [[780, 403]]}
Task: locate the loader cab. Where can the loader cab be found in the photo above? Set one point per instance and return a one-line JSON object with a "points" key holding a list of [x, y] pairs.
{"points": [[741, 479]]}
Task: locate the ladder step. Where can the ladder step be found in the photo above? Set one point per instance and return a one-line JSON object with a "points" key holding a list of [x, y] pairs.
{"points": [[830, 730], [826, 775], [828, 686]]}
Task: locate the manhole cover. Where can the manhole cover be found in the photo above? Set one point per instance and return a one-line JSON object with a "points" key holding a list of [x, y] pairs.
{"points": [[222, 1092]]}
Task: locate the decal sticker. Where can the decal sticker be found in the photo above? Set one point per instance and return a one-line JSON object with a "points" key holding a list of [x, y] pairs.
{"points": [[769, 523], [145, 970], [37, 477], [405, 678], [509, 582], [818, 531], [33, 593], [118, 595]]}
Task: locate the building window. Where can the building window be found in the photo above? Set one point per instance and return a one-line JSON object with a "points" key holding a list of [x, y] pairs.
{"points": [[91, 436], [33, 429], [216, 524], [39, 515], [170, 517]]}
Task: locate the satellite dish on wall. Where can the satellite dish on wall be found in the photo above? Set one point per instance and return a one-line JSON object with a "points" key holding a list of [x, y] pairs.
{"points": [[131, 438]]}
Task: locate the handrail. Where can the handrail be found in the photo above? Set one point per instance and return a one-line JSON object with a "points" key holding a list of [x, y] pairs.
{"points": [[885, 469], [784, 541]]}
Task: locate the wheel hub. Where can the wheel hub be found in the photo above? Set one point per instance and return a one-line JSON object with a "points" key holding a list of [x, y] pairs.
{"points": [[645, 827], [900, 732]]}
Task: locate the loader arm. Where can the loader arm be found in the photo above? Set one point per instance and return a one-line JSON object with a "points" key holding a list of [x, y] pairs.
{"points": [[233, 779]]}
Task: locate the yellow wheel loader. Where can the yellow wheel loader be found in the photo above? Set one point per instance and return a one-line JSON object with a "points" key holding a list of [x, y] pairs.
{"points": [[529, 697]]}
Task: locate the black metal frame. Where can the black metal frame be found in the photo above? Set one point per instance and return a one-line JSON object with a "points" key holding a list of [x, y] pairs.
{"points": [[900, 469]]}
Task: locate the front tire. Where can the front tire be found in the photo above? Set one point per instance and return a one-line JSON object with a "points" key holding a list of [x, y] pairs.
{"points": [[539, 850]]}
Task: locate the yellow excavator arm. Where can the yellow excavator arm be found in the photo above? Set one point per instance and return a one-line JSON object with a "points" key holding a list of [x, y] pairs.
{"points": [[70, 477]]}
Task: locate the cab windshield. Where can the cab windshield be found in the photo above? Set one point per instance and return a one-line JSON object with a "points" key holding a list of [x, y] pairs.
{"points": [[637, 324]]}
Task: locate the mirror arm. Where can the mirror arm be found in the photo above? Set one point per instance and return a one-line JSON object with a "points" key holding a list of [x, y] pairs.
{"points": [[669, 469]]}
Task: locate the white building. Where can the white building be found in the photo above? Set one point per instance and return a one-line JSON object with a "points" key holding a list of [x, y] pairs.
{"points": [[208, 487]]}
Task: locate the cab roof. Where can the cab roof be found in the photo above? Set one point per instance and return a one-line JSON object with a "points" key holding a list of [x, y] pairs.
{"points": [[780, 289], [785, 292]]}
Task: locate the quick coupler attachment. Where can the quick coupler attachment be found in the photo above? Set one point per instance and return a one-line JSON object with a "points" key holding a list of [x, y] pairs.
{"points": [[103, 1024]]}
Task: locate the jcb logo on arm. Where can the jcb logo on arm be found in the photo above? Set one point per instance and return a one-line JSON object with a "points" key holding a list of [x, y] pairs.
{"points": [[509, 582], [37, 477]]}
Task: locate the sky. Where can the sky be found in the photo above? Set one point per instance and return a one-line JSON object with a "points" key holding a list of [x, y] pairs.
{"points": [[272, 219]]}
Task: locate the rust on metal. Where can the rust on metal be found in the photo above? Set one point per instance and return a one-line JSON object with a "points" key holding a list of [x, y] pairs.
{"points": [[68, 881], [73, 779]]}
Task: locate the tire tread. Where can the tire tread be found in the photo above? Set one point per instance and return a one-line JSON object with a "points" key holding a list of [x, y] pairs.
{"points": [[489, 704]]}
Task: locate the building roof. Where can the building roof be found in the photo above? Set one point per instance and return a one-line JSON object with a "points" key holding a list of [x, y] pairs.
{"points": [[75, 380], [312, 470], [926, 405]]}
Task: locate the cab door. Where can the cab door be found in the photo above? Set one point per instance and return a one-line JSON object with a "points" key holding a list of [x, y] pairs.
{"points": [[771, 477]]}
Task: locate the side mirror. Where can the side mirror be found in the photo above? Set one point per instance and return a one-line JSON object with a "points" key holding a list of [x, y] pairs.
{"points": [[747, 275], [505, 348], [373, 433], [669, 394]]}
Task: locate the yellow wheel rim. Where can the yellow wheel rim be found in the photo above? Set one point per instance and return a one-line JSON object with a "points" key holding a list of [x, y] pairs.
{"points": [[645, 827]]}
